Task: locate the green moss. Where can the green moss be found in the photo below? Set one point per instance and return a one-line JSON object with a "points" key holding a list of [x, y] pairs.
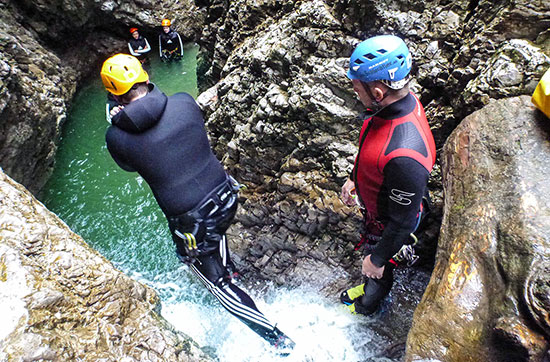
{"points": [[457, 208]]}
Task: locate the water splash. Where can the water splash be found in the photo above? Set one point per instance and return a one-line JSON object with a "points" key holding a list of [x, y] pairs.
{"points": [[323, 330]]}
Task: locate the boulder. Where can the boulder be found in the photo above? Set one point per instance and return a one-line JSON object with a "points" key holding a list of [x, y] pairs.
{"points": [[63, 301], [491, 279]]}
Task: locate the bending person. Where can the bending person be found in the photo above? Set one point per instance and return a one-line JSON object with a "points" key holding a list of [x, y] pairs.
{"points": [[170, 45], [165, 141]]}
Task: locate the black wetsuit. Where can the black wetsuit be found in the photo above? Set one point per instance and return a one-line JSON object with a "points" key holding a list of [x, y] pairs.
{"points": [[164, 140], [139, 48], [396, 156], [170, 45]]}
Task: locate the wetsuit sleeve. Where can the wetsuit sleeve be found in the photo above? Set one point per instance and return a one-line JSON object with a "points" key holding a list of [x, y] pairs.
{"points": [[134, 53], [181, 44], [114, 140], [147, 47], [160, 46], [405, 181], [111, 103]]}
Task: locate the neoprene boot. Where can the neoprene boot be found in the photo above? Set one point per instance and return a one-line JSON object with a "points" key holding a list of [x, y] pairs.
{"points": [[348, 296], [280, 341]]}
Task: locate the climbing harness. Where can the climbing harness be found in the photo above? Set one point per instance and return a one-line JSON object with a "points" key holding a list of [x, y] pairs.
{"points": [[191, 249], [196, 234], [406, 254]]}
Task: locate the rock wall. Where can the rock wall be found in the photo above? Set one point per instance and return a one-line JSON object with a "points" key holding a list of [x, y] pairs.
{"points": [[62, 301], [281, 112], [491, 280], [34, 90]]}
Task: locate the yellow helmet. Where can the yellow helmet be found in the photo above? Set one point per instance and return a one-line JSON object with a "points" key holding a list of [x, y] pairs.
{"points": [[120, 72], [166, 22], [541, 96]]}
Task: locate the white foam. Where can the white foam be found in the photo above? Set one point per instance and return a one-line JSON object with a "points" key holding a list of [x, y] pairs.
{"points": [[322, 331]]}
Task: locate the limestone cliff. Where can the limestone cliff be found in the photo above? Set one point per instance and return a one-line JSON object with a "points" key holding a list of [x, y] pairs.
{"points": [[62, 301]]}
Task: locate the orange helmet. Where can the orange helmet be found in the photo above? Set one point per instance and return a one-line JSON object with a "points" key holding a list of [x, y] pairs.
{"points": [[166, 22], [120, 72], [132, 30]]}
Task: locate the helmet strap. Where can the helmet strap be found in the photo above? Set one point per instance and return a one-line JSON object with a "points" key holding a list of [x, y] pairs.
{"points": [[376, 105]]}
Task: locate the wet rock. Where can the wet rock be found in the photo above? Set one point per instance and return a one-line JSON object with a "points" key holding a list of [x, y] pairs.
{"points": [[490, 280], [514, 69], [63, 301]]}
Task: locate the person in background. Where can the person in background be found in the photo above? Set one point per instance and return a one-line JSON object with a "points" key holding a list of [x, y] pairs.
{"points": [[138, 46], [164, 140], [390, 175], [170, 45]]}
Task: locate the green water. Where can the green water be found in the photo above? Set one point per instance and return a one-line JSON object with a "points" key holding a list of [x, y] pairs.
{"points": [[114, 210]]}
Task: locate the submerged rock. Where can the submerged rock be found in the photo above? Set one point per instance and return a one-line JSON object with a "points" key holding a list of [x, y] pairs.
{"points": [[491, 280], [63, 301]]}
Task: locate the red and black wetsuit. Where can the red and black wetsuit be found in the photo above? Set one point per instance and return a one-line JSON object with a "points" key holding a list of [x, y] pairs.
{"points": [[395, 158]]}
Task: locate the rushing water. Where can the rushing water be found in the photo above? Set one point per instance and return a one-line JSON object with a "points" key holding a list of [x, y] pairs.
{"points": [[115, 212]]}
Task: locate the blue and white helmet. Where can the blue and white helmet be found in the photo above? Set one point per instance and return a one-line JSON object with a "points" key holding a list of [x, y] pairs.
{"points": [[385, 58]]}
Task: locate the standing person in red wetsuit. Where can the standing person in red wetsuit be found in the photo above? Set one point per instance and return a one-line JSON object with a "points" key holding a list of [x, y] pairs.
{"points": [[391, 171]]}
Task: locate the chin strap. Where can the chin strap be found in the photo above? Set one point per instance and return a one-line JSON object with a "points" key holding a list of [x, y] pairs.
{"points": [[376, 105]]}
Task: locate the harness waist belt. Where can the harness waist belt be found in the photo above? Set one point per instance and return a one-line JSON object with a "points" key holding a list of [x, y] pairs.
{"points": [[215, 199]]}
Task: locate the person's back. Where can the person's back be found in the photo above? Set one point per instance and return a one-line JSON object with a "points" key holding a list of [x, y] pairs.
{"points": [[164, 140]]}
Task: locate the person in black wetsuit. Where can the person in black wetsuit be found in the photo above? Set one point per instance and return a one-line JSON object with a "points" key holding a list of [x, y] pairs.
{"points": [[165, 141], [170, 45], [391, 171], [138, 46]]}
